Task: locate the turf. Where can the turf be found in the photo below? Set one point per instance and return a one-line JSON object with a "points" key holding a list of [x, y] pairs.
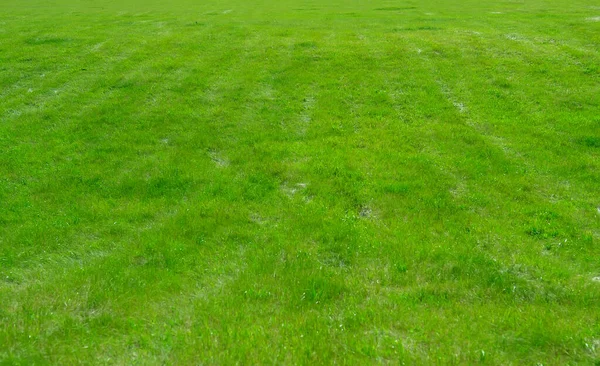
{"points": [[302, 182]]}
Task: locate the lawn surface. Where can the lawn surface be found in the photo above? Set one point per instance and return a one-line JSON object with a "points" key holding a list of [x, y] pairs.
{"points": [[309, 182]]}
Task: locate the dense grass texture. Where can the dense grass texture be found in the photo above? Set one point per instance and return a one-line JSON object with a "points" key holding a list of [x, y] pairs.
{"points": [[300, 182]]}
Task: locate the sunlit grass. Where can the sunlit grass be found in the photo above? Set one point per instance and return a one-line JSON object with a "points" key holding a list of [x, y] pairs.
{"points": [[299, 182]]}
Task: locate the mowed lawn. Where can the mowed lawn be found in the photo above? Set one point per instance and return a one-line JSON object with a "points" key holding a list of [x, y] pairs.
{"points": [[300, 182]]}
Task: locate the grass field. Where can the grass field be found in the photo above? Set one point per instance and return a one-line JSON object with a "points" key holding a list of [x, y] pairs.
{"points": [[300, 182]]}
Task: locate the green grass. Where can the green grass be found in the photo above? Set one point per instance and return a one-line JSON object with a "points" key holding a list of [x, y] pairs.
{"points": [[302, 182]]}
